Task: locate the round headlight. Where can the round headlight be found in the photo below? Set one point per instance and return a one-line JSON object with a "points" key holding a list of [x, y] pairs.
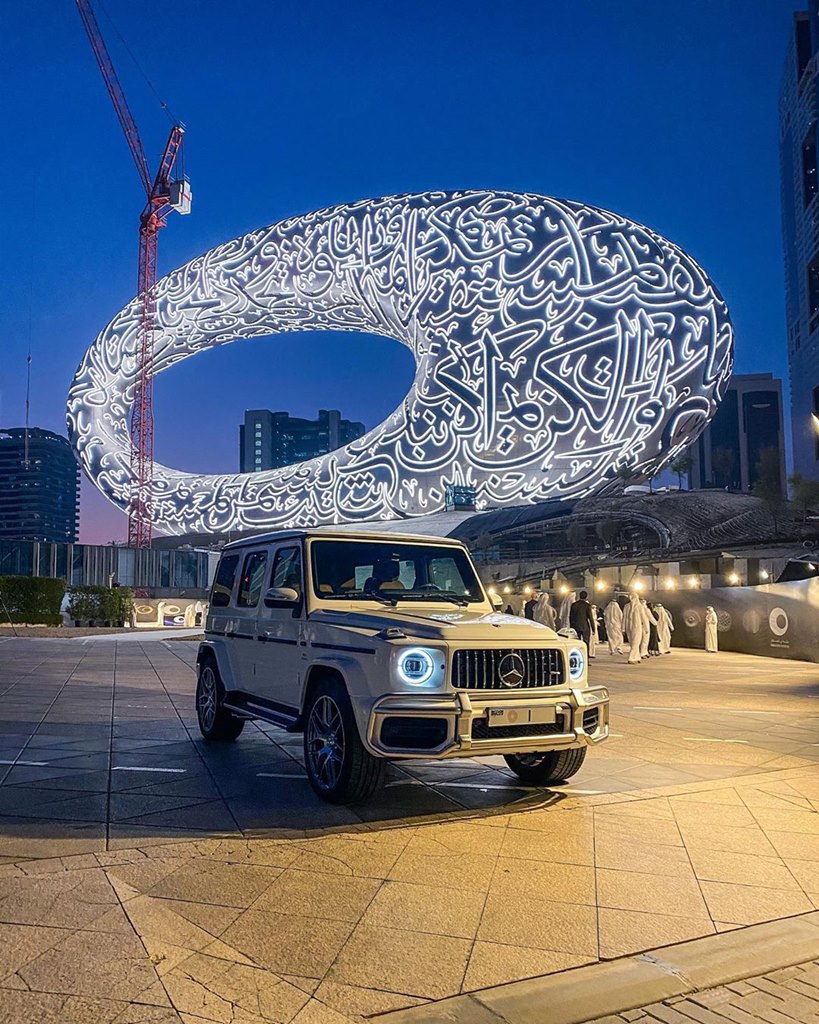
{"points": [[577, 663], [415, 666]]}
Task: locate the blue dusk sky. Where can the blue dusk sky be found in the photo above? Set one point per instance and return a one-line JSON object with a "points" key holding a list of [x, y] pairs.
{"points": [[664, 112]]}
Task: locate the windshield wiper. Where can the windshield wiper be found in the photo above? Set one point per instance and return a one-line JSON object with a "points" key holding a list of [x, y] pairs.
{"points": [[436, 595], [372, 595]]}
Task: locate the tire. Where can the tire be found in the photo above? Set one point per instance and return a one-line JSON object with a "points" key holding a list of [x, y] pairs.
{"points": [[339, 768], [542, 769], [216, 723]]}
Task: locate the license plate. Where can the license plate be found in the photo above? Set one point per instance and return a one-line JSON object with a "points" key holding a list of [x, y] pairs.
{"points": [[522, 716]]}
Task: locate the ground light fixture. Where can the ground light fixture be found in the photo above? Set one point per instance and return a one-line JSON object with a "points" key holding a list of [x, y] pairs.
{"points": [[669, 583], [563, 589], [599, 586], [694, 582], [733, 578], [638, 585], [764, 574], [507, 590]]}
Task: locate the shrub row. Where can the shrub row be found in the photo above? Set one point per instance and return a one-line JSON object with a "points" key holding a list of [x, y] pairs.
{"points": [[101, 605], [31, 599]]}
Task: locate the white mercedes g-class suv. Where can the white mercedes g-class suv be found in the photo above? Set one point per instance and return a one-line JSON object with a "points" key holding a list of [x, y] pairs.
{"points": [[384, 647]]}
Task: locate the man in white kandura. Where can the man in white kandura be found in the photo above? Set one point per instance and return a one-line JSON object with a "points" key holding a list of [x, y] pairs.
{"points": [[665, 628], [544, 612], [635, 627], [711, 630], [648, 620], [613, 616]]}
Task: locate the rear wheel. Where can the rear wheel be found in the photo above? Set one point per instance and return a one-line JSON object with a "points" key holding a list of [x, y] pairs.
{"points": [[339, 768], [541, 769], [215, 721]]}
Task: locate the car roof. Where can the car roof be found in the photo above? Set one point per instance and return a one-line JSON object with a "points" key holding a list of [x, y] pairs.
{"points": [[325, 533]]}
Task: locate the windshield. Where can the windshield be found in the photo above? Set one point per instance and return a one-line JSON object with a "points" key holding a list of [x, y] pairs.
{"points": [[389, 572]]}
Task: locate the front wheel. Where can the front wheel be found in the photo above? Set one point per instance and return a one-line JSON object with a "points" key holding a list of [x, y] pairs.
{"points": [[215, 721], [542, 769], [339, 768]]}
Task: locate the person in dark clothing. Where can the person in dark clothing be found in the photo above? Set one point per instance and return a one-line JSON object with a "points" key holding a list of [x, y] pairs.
{"points": [[529, 608], [653, 635], [581, 617]]}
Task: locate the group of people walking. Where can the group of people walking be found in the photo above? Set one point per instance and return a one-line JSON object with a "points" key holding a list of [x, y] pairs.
{"points": [[645, 626]]}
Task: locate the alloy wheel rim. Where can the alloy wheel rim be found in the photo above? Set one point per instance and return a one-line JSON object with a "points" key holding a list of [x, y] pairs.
{"points": [[325, 742], [207, 698]]}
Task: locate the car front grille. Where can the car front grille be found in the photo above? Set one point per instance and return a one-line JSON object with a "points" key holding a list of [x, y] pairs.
{"points": [[482, 730], [481, 669]]}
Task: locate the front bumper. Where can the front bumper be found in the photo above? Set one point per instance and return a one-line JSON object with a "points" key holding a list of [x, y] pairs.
{"points": [[463, 730]]}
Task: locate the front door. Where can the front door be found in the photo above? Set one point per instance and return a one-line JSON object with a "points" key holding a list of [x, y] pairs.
{"points": [[279, 647]]}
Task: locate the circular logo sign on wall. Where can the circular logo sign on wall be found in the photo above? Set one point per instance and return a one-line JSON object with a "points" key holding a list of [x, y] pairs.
{"points": [[778, 621]]}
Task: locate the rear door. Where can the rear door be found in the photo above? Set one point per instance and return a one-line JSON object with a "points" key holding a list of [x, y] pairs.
{"points": [[251, 588], [280, 652]]}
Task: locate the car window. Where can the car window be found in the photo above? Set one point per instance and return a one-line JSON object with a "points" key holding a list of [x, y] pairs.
{"points": [[356, 569], [250, 585], [444, 573], [287, 569], [224, 580]]}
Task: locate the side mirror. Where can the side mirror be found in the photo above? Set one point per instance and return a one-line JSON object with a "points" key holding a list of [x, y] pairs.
{"points": [[496, 600], [281, 597]]}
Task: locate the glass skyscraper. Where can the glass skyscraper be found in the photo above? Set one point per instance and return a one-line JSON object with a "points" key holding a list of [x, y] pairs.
{"points": [[269, 440], [798, 117], [39, 486]]}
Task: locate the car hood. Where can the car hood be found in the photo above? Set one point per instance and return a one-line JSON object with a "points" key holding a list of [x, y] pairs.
{"points": [[451, 625]]}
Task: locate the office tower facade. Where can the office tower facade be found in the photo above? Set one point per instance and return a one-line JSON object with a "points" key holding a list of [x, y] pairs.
{"points": [[39, 486], [748, 421], [269, 440], [798, 117]]}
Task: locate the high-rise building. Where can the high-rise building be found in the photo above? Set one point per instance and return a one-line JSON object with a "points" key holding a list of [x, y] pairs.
{"points": [[268, 440], [39, 486], [747, 421], [798, 117]]}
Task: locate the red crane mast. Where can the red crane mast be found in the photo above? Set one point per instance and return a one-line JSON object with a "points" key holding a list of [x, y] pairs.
{"points": [[163, 194]]}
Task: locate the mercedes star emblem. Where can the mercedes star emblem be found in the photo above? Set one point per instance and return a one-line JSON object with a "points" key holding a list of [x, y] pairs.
{"points": [[511, 670]]}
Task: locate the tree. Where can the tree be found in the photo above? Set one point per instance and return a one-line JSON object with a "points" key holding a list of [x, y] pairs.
{"points": [[723, 461], [805, 494], [682, 466], [768, 483]]}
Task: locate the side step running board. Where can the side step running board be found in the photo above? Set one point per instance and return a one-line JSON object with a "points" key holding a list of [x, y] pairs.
{"points": [[253, 709]]}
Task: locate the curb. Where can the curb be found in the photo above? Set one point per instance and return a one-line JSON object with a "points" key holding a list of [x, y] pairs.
{"points": [[586, 993]]}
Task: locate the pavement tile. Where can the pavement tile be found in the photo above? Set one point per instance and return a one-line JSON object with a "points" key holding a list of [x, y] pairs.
{"points": [[318, 895], [70, 899], [369, 858], [563, 927], [226, 885], [456, 839], [565, 847], [749, 840], [795, 845], [94, 964], [286, 943], [33, 837], [750, 904], [788, 820], [222, 991], [625, 931], [426, 908], [22, 1007], [493, 963], [652, 831], [207, 916], [563, 883], [20, 944], [654, 860], [355, 1001], [634, 890], [418, 964], [434, 870], [743, 868]]}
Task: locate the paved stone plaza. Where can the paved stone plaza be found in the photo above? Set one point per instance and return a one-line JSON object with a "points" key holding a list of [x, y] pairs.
{"points": [[147, 877]]}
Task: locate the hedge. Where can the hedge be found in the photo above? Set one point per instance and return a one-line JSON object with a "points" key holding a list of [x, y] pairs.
{"points": [[101, 604], [31, 599]]}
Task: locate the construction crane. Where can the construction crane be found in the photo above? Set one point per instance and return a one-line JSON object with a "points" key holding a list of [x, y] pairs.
{"points": [[167, 191]]}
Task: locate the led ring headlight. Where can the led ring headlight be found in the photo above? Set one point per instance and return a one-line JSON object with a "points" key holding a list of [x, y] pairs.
{"points": [[577, 663], [415, 666]]}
